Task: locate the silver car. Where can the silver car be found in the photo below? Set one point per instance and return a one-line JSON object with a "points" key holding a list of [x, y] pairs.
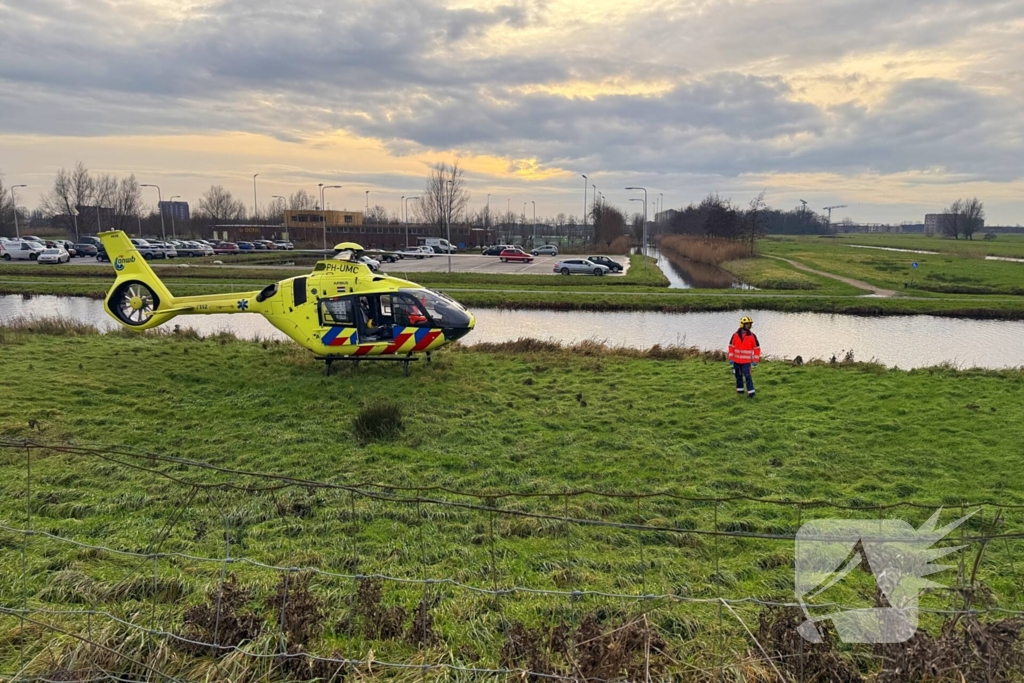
{"points": [[545, 250], [579, 265]]}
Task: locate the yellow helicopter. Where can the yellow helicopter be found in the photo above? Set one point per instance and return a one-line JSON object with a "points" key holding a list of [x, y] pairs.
{"points": [[340, 311]]}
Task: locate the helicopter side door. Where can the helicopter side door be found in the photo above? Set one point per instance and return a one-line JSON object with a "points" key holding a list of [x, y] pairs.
{"points": [[339, 321]]}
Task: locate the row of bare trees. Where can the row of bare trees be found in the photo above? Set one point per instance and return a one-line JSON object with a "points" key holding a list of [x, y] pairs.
{"points": [[80, 201], [963, 217]]}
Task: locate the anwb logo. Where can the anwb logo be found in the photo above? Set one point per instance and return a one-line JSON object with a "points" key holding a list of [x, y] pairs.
{"points": [[120, 261]]}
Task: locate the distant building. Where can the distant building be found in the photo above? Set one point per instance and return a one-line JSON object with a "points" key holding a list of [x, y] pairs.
{"points": [[316, 219], [177, 210], [935, 223]]}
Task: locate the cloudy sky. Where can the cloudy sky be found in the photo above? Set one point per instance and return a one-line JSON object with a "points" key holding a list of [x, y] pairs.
{"points": [[894, 107]]}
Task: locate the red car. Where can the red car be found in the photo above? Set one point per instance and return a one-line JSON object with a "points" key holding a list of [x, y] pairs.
{"points": [[515, 255]]}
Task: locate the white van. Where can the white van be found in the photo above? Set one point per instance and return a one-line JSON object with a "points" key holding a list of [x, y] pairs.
{"points": [[21, 250], [439, 245]]}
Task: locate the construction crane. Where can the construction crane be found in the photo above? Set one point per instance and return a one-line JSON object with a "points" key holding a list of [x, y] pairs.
{"points": [[829, 209]]}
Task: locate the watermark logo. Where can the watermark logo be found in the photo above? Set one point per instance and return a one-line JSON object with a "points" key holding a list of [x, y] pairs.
{"points": [[120, 262], [896, 555]]}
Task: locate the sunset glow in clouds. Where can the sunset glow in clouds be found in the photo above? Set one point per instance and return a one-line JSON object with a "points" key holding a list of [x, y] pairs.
{"points": [[892, 107]]}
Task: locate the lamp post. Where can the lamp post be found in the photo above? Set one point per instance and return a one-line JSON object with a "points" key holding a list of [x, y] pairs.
{"points": [[534, 221], [255, 204], [487, 223], [644, 245], [14, 199], [323, 212], [170, 209], [405, 200], [584, 205], [367, 201], [448, 215], [160, 197]]}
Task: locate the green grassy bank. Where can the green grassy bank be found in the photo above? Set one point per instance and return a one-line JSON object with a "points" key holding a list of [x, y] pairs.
{"points": [[525, 418]]}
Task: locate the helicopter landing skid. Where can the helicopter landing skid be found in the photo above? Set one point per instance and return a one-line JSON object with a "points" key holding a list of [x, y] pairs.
{"points": [[405, 362]]}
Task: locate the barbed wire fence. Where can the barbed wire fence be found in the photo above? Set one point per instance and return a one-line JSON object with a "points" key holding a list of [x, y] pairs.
{"points": [[559, 516]]}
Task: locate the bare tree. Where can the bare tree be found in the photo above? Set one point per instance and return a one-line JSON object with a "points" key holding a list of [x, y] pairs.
{"points": [[219, 205], [377, 215], [302, 201], [7, 209], [753, 226], [445, 196], [127, 203], [972, 217], [951, 219], [276, 209], [71, 189]]}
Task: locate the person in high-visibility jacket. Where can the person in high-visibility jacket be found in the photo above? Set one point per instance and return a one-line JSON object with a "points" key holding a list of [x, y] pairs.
{"points": [[744, 353]]}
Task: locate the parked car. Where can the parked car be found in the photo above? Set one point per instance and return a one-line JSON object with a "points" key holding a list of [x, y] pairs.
{"points": [[579, 265], [168, 249], [284, 244], [545, 250], [148, 251], [515, 255], [229, 248], [267, 244], [613, 266], [94, 241], [418, 252], [495, 250], [54, 255], [389, 257], [245, 246], [69, 246], [33, 238], [83, 250], [20, 250], [372, 263]]}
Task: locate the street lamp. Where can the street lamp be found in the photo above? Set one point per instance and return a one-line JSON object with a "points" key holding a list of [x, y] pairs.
{"points": [[255, 204], [367, 201], [584, 206], [534, 221], [14, 199], [174, 233], [160, 196], [487, 223], [323, 212], [405, 201], [644, 246], [448, 213]]}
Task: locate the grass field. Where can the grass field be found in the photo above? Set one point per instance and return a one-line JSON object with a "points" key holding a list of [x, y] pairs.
{"points": [[945, 273], [525, 418], [1004, 245]]}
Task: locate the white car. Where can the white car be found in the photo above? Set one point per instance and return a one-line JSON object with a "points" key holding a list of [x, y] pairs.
{"points": [[20, 250], [372, 263], [54, 255], [579, 265], [417, 252]]}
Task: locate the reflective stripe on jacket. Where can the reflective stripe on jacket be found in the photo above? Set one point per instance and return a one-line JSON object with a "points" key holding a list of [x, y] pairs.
{"points": [[744, 348]]}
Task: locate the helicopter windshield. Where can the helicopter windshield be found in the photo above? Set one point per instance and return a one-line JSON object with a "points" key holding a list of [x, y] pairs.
{"points": [[445, 312]]}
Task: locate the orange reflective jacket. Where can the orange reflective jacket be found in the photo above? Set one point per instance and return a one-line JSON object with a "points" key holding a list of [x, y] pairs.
{"points": [[743, 347]]}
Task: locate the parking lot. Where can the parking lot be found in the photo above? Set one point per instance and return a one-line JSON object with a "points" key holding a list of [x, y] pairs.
{"points": [[474, 263], [461, 263]]}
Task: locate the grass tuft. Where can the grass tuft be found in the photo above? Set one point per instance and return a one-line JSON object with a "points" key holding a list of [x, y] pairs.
{"points": [[379, 421]]}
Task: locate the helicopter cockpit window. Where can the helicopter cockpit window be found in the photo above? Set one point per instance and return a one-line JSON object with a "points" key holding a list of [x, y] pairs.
{"points": [[445, 312], [337, 312], [408, 312]]}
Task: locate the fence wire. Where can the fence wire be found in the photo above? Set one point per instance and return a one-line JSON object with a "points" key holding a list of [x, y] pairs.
{"points": [[188, 474]]}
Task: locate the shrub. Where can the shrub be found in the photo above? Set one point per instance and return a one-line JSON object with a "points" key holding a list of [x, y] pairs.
{"points": [[378, 421]]}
